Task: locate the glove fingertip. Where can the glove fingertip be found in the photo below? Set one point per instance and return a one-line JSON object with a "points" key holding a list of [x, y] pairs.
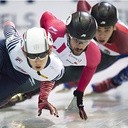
{"points": [[39, 113], [56, 115]]}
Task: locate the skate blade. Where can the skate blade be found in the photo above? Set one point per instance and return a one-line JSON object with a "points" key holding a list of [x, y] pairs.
{"points": [[72, 105]]}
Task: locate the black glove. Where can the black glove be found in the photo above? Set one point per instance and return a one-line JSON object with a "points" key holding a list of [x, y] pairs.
{"points": [[79, 98]]}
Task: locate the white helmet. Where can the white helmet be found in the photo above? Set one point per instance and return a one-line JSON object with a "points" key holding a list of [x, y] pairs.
{"points": [[36, 40]]}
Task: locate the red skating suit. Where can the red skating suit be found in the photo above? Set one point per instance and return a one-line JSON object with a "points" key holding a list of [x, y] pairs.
{"points": [[14, 45], [118, 43], [90, 58]]}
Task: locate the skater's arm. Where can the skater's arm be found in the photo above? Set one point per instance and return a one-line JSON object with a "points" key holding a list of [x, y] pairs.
{"points": [[45, 89]]}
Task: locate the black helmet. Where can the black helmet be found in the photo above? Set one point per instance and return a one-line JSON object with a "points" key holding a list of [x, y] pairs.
{"points": [[81, 25], [105, 14]]}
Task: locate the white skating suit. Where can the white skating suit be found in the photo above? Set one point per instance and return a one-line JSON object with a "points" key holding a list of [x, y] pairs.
{"points": [[53, 71], [89, 59]]}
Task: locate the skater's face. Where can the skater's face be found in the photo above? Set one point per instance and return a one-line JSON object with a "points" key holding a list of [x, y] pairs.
{"points": [[37, 61], [38, 64], [103, 34], [78, 46]]}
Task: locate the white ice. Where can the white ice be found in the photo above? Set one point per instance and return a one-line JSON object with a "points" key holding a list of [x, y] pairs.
{"points": [[108, 110]]}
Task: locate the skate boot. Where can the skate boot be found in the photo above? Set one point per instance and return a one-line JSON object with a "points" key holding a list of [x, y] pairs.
{"points": [[104, 86], [13, 100], [20, 97]]}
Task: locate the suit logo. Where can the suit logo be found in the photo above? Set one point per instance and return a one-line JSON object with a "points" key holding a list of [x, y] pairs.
{"points": [[19, 60]]}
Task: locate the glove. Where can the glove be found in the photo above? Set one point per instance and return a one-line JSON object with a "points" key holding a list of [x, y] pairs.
{"points": [[45, 89], [44, 104], [79, 98]]}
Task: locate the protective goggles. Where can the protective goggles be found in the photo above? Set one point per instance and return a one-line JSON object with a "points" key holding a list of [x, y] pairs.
{"points": [[76, 40], [40, 56]]}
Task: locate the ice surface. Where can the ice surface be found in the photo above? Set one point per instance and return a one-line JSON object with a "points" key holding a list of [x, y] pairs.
{"points": [[107, 110]]}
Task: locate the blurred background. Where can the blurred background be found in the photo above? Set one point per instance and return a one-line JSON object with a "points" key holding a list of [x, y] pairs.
{"points": [[26, 13], [104, 111]]}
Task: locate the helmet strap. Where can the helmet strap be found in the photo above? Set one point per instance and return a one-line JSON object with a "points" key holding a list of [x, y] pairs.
{"points": [[29, 63], [68, 42]]}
